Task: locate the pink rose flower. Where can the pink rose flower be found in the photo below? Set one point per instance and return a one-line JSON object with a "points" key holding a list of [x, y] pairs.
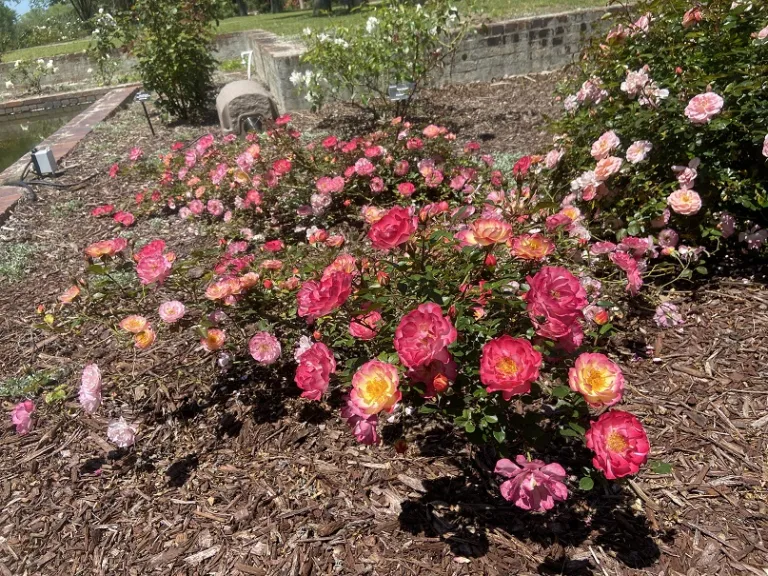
{"points": [[21, 417], [685, 202], [597, 378], [619, 442], [422, 334], [509, 365], [264, 348], [406, 188], [316, 364], [702, 108], [90, 388], [318, 298], [362, 425], [765, 146], [121, 433], [604, 145], [607, 167], [171, 311], [638, 151], [532, 485], [375, 388], [366, 326], [364, 167], [555, 301], [394, 228]]}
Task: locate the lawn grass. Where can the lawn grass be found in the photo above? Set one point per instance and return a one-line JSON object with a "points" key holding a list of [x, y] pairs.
{"points": [[293, 23]]}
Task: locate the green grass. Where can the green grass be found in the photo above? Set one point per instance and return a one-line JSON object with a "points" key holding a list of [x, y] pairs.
{"points": [[293, 23]]}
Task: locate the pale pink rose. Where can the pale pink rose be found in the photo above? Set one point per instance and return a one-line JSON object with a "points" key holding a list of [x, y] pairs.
{"points": [[21, 417], [320, 203], [686, 175], [765, 146], [685, 201], [643, 23], [763, 34], [532, 485], [121, 433], [171, 311], [702, 108], [553, 158], [604, 145], [264, 348], [637, 151], [90, 388], [635, 82], [607, 167]]}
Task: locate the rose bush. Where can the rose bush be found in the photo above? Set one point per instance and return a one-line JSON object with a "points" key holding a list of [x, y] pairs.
{"points": [[665, 125], [469, 298]]}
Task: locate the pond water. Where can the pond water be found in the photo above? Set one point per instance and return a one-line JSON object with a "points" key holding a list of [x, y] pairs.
{"points": [[20, 136]]}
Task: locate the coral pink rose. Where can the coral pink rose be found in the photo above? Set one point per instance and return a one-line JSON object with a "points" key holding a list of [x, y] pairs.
{"points": [[375, 388], [125, 218], [316, 364], [422, 334], [153, 269], [103, 210], [171, 311], [532, 485], [106, 247], [637, 151], [532, 247], [509, 365], [604, 145], [21, 417], [318, 298], [365, 326], [68, 296], [555, 300], [274, 246], [406, 188], [214, 339], [597, 378], [134, 324], [607, 167], [89, 394], [489, 231], [685, 201], [264, 348], [702, 108], [619, 442], [437, 375], [393, 229]]}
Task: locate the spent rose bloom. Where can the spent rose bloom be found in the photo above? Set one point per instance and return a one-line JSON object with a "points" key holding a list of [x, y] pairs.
{"points": [[532, 485], [667, 315], [21, 417], [318, 298], [394, 228], [619, 443], [702, 108], [171, 311], [685, 201], [509, 365], [638, 151], [604, 145], [316, 364], [366, 326], [264, 348], [375, 388], [90, 388], [532, 247], [422, 334], [692, 16], [213, 340], [69, 295], [362, 425], [598, 379], [122, 434], [437, 375], [134, 323], [145, 338]]}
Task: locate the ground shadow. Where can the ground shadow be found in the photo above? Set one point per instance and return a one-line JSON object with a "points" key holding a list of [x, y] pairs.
{"points": [[178, 472], [462, 509]]}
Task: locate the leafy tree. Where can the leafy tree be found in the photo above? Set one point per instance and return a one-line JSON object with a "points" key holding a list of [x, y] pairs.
{"points": [[7, 27]]}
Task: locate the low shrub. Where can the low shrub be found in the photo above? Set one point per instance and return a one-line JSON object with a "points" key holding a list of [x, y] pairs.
{"points": [[102, 48], [396, 275], [401, 44], [29, 76], [665, 126]]}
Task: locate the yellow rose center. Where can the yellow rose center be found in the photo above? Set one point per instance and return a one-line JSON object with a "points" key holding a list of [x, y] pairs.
{"points": [[597, 380], [375, 389], [616, 442], [507, 366]]}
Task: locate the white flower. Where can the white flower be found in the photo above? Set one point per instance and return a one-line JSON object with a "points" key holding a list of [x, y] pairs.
{"points": [[9, 84], [16, 64], [322, 37], [308, 78], [307, 31], [40, 62], [341, 42], [49, 64], [101, 10], [56, 69], [308, 97], [89, 71], [571, 103], [370, 25], [296, 77]]}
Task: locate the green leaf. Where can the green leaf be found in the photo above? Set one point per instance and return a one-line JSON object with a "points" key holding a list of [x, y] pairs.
{"points": [[469, 427], [560, 391], [586, 483], [500, 436], [577, 428], [658, 467]]}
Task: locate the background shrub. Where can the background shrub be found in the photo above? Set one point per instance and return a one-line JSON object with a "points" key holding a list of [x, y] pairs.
{"points": [[173, 44], [681, 50], [400, 43]]}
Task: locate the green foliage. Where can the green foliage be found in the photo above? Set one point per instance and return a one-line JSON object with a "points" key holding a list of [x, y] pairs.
{"points": [[14, 259], [57, 23], [716, 50], [400, 43], [173, 44], [7, 27], [27, 384], [30, 75]]}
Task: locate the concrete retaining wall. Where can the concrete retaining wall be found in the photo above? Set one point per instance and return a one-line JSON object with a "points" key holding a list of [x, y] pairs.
{"points": [[14, 110]]}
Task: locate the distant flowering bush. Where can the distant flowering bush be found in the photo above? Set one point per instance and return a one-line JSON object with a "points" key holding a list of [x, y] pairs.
{"points": [[402, 43], [30, 75], [473, 298], [665, 129]]}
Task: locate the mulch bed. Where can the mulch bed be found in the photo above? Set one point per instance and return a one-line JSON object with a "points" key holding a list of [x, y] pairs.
{"points": [[239, 476]]}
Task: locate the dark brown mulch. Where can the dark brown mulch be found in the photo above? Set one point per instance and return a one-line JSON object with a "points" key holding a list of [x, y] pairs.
{"points": [[235, 475]]}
